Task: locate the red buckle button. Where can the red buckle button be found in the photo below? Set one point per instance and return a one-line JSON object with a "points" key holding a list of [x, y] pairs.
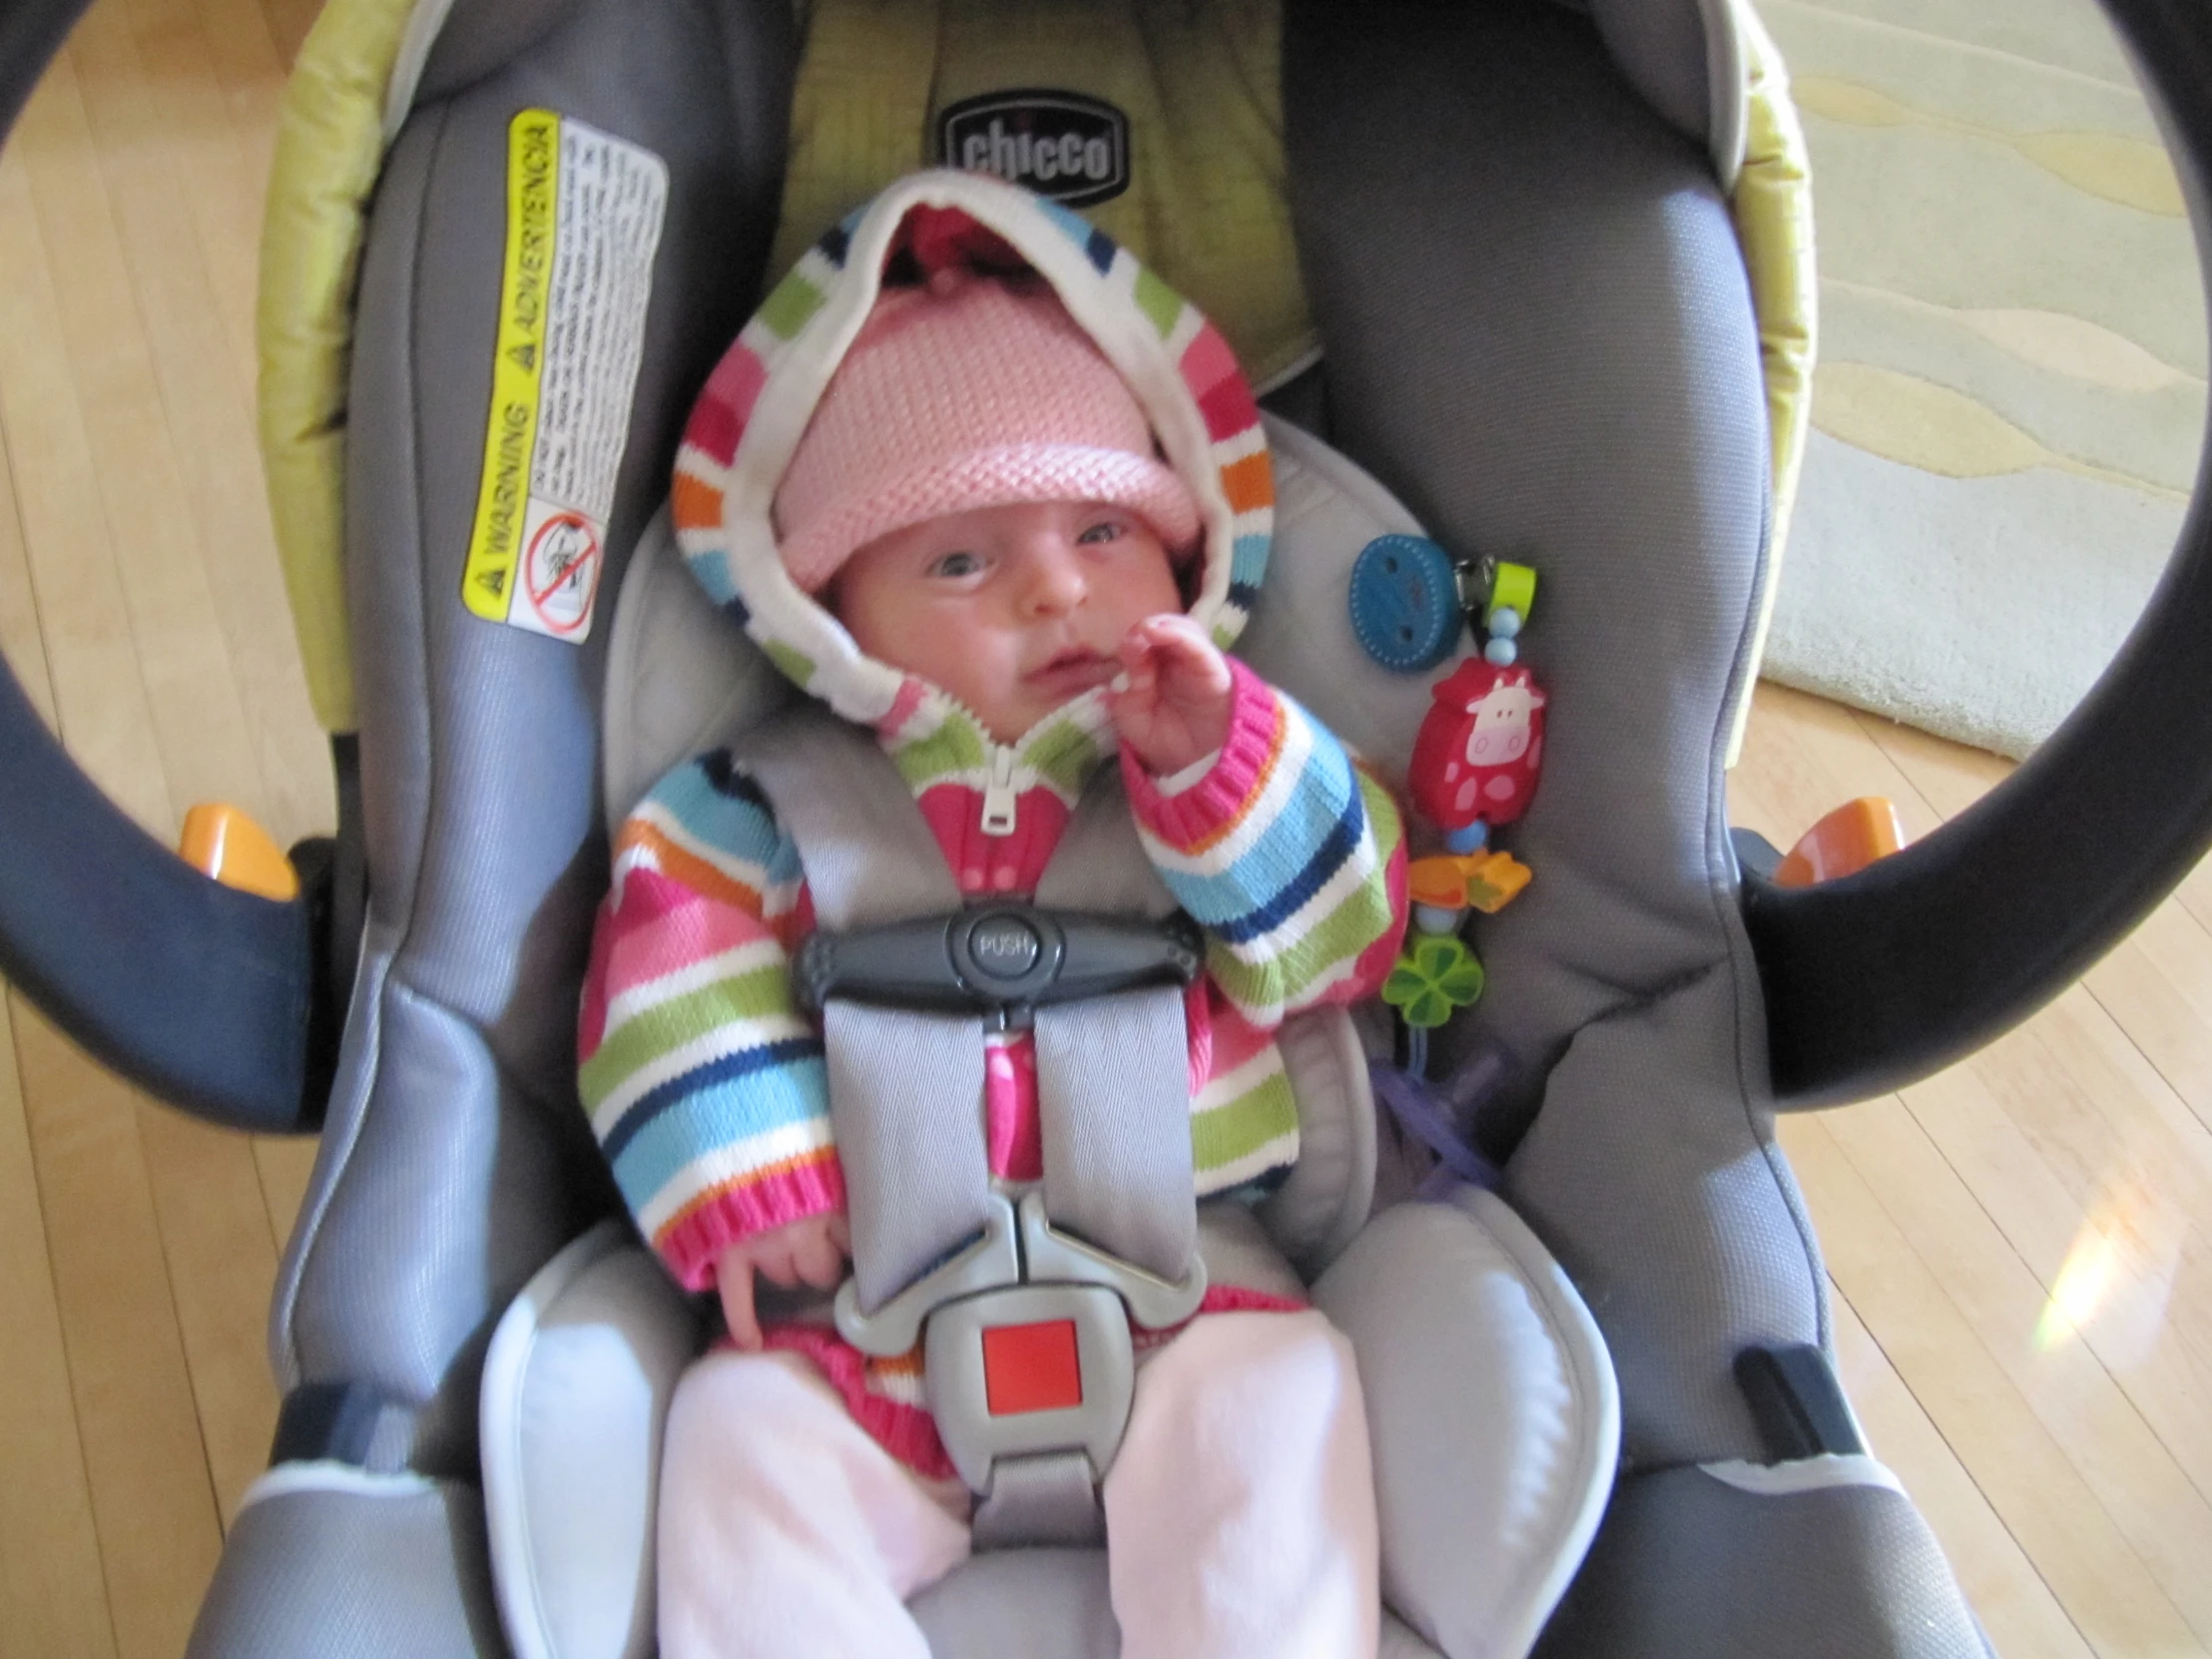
{"points": [[1032, 1368]]}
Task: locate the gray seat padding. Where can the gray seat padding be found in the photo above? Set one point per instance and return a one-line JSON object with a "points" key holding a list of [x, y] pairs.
{"points": [[1491, 1412], [455, 1159], [1845, 1566], [1594, 347]]}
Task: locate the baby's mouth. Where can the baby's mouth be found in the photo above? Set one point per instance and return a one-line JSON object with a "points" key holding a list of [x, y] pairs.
{"points": [[1074, 670]]}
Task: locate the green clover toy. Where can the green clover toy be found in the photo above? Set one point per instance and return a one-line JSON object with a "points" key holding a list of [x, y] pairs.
{"points": [[1437, 976]]}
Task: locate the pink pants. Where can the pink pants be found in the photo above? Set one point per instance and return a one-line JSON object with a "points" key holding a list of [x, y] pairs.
{"points": [[1240, 1511]]}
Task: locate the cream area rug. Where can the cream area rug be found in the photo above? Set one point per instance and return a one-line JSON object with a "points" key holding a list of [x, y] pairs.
{"points": [[2010, 396]]}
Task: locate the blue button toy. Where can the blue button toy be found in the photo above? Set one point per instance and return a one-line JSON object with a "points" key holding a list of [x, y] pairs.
{"points": [[1404, 602]]}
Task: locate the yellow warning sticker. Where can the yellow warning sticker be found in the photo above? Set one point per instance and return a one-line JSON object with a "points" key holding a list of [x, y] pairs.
{"points": [[584, 211]]}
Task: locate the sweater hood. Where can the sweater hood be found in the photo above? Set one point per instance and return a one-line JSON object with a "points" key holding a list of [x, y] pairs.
{"points": [[757, 403]]}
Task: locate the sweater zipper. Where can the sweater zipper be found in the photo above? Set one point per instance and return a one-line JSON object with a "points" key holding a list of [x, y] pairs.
{"points": [[998, 794]]}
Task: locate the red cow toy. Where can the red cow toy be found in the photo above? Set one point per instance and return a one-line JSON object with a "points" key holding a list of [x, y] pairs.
{"points": [[1479, 747]]}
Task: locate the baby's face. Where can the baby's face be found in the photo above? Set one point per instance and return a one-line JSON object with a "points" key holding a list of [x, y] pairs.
{"points": [[1013, 610]]}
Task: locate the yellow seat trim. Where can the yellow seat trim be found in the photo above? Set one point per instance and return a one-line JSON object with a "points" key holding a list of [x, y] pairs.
{"points": [[1198, 80]]}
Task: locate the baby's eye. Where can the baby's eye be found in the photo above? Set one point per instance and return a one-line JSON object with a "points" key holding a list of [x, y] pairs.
{"points": [[953, 566], [1110, 529]]}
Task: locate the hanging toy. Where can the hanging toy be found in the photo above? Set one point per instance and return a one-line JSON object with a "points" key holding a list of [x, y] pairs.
{"points": [[1479, 748], [1443, 889], [1432, 979], [1474, 760], [1405, 598]]}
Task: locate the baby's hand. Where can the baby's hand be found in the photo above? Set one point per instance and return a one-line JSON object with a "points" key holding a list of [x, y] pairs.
{"points": [[1171, 703], [812, 1250]]}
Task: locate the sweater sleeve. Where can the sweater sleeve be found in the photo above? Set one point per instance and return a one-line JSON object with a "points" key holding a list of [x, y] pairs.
{"points": [[1286, 853], [704, 1085]]}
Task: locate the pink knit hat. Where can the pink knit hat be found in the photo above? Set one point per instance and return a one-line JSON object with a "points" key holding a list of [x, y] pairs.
{"points": [[961, 395]]}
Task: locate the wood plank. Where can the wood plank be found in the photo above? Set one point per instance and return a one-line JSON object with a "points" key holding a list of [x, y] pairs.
{"points": [[53, 1593], [2113, 1450], [2114, 1118], [197, 712], [246, 66], [160, 1533], [2195, 891], [20, 639], [2139, 1168], [151, 153], [252, 69], [2159, 987], [286, 1164], [2044, 1216], [2023, 1618], [288, 23], [178, 120], [1949, 776], [2096, 1575], [221, 1275], [99, 697], [1805, 756]]}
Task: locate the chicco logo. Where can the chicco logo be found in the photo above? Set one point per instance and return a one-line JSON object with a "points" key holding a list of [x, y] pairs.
{"points": [[1072, 149]]}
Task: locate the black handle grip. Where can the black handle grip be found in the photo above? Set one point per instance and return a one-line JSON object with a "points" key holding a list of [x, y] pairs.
{"points": [[1879, 978], [194, 990]]}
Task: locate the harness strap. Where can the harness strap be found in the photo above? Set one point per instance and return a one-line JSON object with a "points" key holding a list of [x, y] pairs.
{"points": [[1114, 1116], [1113, 1072], [1041, 1500], [917, 1173], [905, 1087]]}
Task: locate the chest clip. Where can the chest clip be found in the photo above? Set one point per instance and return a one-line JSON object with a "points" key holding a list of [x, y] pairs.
{"points": [[1002, 960]]}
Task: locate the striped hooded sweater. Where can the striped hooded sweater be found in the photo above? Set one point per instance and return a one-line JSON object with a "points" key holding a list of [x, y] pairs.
{"points": [[706, 1086]]}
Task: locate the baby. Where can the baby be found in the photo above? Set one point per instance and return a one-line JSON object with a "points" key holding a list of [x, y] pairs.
{"points": [[977, 550]]}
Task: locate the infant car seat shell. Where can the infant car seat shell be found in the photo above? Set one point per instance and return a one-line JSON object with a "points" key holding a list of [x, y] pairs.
{"points": [[1607, 428]]}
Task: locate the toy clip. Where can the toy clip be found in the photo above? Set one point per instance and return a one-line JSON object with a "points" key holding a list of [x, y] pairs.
{"points": [[1496, 595], [1402, 598]]}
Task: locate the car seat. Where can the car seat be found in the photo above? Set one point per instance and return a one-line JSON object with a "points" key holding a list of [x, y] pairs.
{"points": [[1516, 249]]}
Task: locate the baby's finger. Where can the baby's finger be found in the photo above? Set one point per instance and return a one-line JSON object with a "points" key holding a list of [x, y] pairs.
{"points": [[774, 1258], [737, 1310], [1135, 650], [818, 1259], [1198, 674], [1178, 640]]}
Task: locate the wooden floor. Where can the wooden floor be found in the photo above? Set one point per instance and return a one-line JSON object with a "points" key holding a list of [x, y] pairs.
{"points": [[2019, 1246]]}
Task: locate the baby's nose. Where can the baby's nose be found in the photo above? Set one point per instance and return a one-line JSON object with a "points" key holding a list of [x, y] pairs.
{"points": [[1056, 579]]}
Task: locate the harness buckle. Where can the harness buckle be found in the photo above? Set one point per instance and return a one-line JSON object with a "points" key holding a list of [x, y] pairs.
{"points": [[1029, 1368], [1021, 1247], [1028, 1361]]}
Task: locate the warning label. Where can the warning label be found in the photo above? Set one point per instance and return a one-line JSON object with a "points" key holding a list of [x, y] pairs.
{"points": [[584, 214]]}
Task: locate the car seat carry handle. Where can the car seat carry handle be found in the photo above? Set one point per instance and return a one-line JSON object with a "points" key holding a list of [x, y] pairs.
{"points": [[197, 991], [1880, 978]]}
